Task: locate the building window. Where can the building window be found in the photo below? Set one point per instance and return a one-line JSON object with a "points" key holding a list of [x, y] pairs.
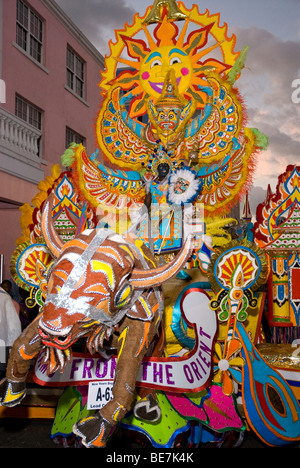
{"points": [[32, 115], [28, 112], [73, 137], [29, 31], [75, 73]]}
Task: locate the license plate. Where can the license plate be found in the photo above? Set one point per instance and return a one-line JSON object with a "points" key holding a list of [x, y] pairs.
{"points": [[99, 394]]}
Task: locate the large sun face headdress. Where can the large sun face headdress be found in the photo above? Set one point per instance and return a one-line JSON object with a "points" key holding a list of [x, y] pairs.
{"points": [[164, 48]]}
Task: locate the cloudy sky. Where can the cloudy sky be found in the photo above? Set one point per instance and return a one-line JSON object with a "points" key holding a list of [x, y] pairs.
{"points": [[270, 82]]}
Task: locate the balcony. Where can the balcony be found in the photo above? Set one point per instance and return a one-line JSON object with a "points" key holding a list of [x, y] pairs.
{"points": [[19, 148]]}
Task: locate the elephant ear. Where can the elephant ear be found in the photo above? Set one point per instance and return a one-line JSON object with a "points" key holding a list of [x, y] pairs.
{"points": [[141, 279], [52, 239]]}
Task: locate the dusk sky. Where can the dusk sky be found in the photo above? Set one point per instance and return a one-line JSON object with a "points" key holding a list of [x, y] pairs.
{"points": [[270, 82]]}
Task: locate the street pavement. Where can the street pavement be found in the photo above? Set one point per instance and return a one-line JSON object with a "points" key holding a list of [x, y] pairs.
{"points": [[28, 433]]}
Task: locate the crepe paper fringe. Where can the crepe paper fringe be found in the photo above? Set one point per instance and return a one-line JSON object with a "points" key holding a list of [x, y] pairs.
{"points": [[238, 193], [68, 157], [83, 199], [261, 140], [284, 335], [235, 71], [27, 210]]}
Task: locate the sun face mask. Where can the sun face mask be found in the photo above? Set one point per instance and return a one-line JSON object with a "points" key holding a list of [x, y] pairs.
{"points": [[158, 63]]}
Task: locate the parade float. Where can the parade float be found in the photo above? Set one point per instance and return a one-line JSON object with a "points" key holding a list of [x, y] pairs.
{"points": [[150, 311]]}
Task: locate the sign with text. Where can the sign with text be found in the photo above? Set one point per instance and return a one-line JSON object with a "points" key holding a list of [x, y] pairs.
{"points": [[99, 394], [188, 373]]}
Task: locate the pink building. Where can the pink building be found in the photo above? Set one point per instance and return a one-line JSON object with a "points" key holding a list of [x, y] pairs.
{"points": [[49, 97]]}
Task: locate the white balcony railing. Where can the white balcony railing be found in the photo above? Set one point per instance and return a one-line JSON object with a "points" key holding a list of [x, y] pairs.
{"points": [[18, 135], [19, 148]]}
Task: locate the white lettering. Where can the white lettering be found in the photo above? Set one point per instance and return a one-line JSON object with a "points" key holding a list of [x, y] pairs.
{"points": [[296, 93], [118, 458], [2, 92]]}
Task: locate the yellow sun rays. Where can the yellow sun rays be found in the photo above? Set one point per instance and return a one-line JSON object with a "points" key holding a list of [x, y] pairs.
{"points": [[195, 45], [166, 34]]}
